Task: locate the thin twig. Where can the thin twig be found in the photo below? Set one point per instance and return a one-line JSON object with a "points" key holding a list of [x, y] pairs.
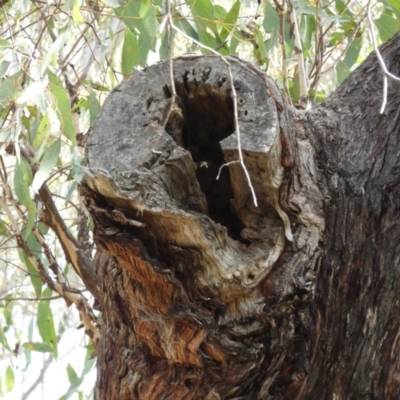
{"points": [[235, 107], [39, 379], [380, 59], [88, 318]]}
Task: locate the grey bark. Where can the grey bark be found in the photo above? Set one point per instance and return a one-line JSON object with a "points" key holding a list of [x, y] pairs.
{"points": [[208, 296]]}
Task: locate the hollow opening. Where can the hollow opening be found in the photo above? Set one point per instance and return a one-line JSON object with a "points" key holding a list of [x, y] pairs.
{"points": [[202, 116]]}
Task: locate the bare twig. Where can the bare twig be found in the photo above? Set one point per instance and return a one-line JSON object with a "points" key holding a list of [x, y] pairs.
{"points": [[235, 107], [88, 318], [30, 298], [39, 379], [380, 59]]}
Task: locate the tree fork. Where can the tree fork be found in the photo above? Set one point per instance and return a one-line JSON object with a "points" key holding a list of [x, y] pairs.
{"points": [[208, 296]]}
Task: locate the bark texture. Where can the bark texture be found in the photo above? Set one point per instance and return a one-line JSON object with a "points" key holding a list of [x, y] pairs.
{"points": [[209, 296]]}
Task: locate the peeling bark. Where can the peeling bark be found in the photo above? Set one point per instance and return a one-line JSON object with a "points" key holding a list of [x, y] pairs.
{"points": [[207, 296]]}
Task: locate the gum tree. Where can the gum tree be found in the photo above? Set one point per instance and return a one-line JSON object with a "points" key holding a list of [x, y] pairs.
{"points": [[237, 233]]}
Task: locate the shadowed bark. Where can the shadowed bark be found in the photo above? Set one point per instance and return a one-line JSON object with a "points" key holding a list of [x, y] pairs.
{"points": [[208, 296]]}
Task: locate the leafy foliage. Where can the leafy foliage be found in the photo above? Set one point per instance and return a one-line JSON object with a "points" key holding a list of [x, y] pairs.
{"points": [[58, 62]]}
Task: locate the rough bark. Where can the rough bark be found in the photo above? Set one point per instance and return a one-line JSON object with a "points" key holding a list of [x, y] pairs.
{"points": [[207, 296]]}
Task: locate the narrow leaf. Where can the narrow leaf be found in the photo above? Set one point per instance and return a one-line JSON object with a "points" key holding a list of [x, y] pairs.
{"points": [[130, 53], [9, 379], [230, 20], [45, 322], [3, 340], [342, 71], [387, 26], [39, 347], [94, 106], [33, 90], [353, 52], [47, 163], [63, 106]]}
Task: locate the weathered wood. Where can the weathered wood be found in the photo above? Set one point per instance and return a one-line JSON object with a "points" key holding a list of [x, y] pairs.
{"points": [[207, 295]]}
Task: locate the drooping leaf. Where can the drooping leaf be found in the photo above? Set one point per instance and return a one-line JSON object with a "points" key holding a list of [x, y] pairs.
{"points": [[387, 25], [353, 52], [4, 65], [9, 379], [45, 323], [271, 19], [3, 340], [182, 23], [63, 107], [394, 3], [76, 13], [22, 181], [42, 130], [230, 20], [130, 53], [342, 71], [47, 163], [33, 90], [36, 346], [74, 380], [140, 18], [94, 106], [33, 274], [10, 88]]}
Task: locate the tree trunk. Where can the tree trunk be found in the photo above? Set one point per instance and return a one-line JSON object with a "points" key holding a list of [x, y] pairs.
{"points": [[206, 295]]}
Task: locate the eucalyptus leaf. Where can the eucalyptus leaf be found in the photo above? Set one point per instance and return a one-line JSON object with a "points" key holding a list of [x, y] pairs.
{"points": [[63, 106], [130, 53], [45, 322], [47, 163], [9, 379], [36, 346]]}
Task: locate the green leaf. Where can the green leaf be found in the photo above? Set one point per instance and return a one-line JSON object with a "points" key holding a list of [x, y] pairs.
{"points": [[230, 20], [271, 19], [3, 229], [94, 106], [72, 375], [39, 347], [22, 181], [130, 53], [261, 52], [186, 27], [74, 380], [4, 67], [33, 274], [4, 44], [140, 17], [47, 164], [76, 13], [63, 107], [3, 340], [387, 26], [10, 88], [42, 130], [33, 90], [342, 71], [394, 3], [45, 323], [203, 9], [353, 52], [147, 13], [9, 379], [335, 38]]}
